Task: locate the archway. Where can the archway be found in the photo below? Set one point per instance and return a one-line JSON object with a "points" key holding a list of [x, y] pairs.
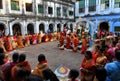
{"points": [[42, 27], [30, 29], [71, 27], [16, 29], [58, 27], [51, 28], [2, 29], [104, 26]]}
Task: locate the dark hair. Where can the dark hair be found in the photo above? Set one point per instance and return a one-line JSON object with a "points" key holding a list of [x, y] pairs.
{"points": [[41, 57], [117, 55], [15, 57], [2, 58], [22, 57], [98, 47], [49, 75], [73, 74], [101, 73], [21, 74], [1, 50], [89, 54], [34, 78]]}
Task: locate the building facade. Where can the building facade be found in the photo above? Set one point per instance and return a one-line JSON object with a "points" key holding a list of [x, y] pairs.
{"points": [[33, 16], [105, 14]]}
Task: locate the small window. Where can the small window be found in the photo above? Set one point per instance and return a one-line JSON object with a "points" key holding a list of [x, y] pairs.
{"points": [[15, 5], [81, 6], [71, 13], [117, 29], [58, 11], [50, 10], [40, 9], [29, 7], [65, 11], [1, 5]]}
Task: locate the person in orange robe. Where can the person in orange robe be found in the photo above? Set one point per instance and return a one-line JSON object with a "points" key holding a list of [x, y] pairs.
{"points": [[75, 43], [2, 44], [88, 67], [61, 41], [84, 45], [39, 38], [8, 43], [42, 65], [101, 59], [27, 42], [20, 42], [68, 41], [95, 52], [50, 37], [22, 64]]}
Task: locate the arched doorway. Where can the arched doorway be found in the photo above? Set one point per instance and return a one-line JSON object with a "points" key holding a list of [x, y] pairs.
{"points": [[30, 29], [104, 26], [51, 28], [42, 27], [58, 27], [16, 29], [2, 29], [71, 27]]}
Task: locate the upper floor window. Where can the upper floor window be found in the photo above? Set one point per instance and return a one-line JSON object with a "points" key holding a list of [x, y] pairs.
{"points": [[58, 11], [40, 9], [15, 5], [29, 7], [92, 5], [104, 4], [50, 10], [71, 13], [81, 6], [1, 5], [65, 11], [117, 4]]}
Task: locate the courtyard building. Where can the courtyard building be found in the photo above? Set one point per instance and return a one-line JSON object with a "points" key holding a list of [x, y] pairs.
{"points": [[105, 14], [33, 16]]}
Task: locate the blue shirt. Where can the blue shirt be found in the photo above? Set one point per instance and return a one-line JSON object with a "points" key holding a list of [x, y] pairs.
{"points": [[113, 71]]}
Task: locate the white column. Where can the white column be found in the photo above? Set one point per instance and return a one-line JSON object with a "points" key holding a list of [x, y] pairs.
{"points": [[98, 6], [110, 6], [10, 29], [62, 26], [37, 27], [23, 28], [86, 6], [46, 26], [55, 27]]}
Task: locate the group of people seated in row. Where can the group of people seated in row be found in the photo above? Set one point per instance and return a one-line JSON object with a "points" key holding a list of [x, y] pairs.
{"points": [[9, 43]]}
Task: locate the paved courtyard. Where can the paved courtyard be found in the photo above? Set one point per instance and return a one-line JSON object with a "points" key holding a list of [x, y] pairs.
{"points": [[54, 56]]}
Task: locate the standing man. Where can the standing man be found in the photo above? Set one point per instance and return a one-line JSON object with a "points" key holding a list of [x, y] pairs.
{"points": [[113, 68]]}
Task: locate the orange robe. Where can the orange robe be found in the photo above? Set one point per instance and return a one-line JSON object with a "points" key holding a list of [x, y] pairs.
{"points": [[39, 38], [39, 68], [84, 46], [8, 44], [87, 70], [24, 64], [20, 42], [68, 41], [75, 42], [101, 60], [27, 42]]}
